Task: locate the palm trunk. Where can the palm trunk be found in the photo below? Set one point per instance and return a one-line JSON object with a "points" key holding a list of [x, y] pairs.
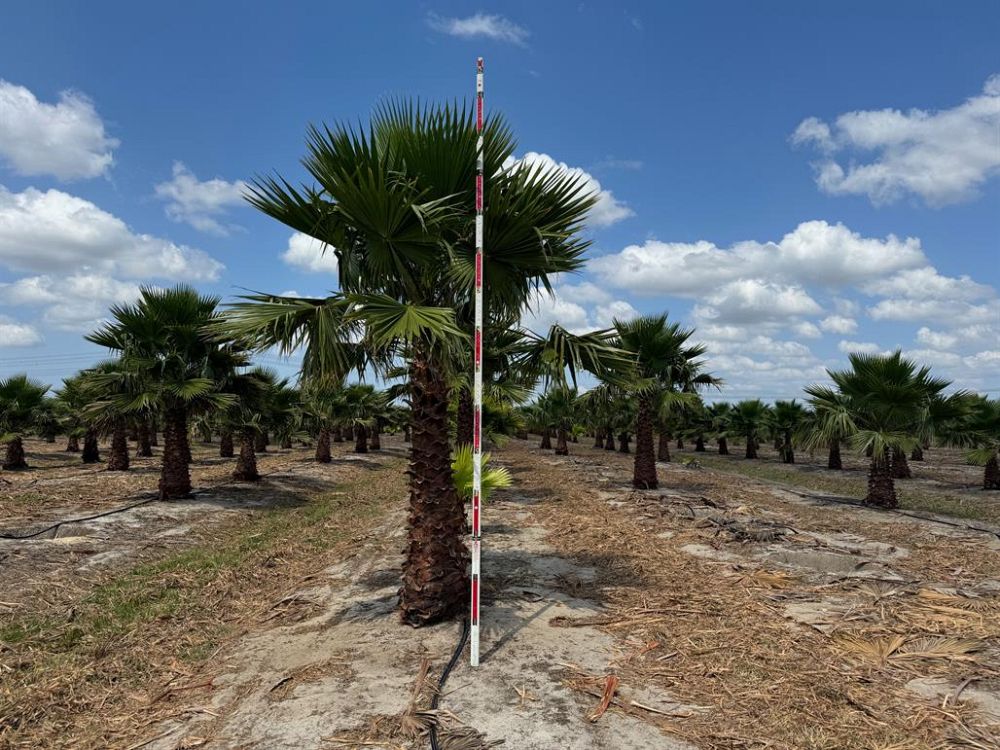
{"points": [[991, 474], [175, 475], [226, 447], [143, 449], [723, 446], [118, 459], [699, 444], [91, 448], [644, 467], [609, 443], [881, 488], [154, 429], [323, 446], [900, 468], [562, 448], [598, 438], [623, 441], [72, 444], [464, 418], [406, 434], [546, 443], [435, 582], [246, 464], [14, 455], [680, 444], [787, 451], [338, 434], [663, 449], [360, 439], [834, 462], [751, 448], [917, 454], [260, 442], [375, 443]]}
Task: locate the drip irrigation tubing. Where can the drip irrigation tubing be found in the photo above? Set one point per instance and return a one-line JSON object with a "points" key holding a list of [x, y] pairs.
{"points": [[444, 678]]}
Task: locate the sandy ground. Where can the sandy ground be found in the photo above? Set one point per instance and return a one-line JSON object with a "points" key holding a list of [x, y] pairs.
{"points": [[725, 612]]}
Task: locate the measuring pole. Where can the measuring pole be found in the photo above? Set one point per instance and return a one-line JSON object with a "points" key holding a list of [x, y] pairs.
{"points": [[477, 382]]}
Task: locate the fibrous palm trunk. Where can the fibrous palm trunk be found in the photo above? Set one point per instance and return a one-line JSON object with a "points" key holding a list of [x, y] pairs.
{"points": [[644, 466], [562, 447], [406, 434], [246, 464], [175, 476], [435, 580], [13, 459], [546, 443], [663, 449], [881, 488], [623, 441], [286, 443], [900, 468], [143, 448], [723, 446], [751, 448], [154, 429], [226, 447], [609, 442], [72, 444], [917, 454], [91, 449], [360, 439], [464, 418], [834, 462], [375, 441], [598, 438], [680, 443], [118, 458], [338, 435], [699, 444], [991, 474], [260, 442], [323, 446], [787, 451]]}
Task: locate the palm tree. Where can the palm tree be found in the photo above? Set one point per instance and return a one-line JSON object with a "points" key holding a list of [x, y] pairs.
{"points": [[751, 418], [887, 396], [787, 418], [831, 424], [175, 367], [976, 427], [364, 404], [720, 416], [109, 389], [20, 399]]}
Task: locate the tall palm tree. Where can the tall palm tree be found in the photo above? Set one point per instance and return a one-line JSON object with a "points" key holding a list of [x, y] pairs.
{"points": [[887, 396], [174, 365], [394, 202], [751, 419], [20, 399]]}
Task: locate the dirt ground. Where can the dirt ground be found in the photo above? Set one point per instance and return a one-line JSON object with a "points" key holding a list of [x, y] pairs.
{"points": [[724, 610]]}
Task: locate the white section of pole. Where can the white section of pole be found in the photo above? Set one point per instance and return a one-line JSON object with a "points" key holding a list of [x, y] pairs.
{"points": [[477, 383]]}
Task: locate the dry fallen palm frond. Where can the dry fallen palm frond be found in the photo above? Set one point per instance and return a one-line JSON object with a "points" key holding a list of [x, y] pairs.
{"points": [[879, 590], [941, 647], [977, 739], [871, 648], [768, 579], [958, 601]]}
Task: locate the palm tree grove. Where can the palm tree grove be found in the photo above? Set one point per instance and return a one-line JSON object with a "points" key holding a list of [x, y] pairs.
{"points": [[456, 471]]}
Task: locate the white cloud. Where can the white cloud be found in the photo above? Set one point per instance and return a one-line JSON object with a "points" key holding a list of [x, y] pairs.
{"points": [[200, 203], [814, 252], [565, 306], [607, 211], [481, 25], [922, 283], [13, 333], [78, 302], [806, 330], [751, 301], [859, 347], [839, 324], [942, 156], [309, 254], [66, 139], [52, 231]]}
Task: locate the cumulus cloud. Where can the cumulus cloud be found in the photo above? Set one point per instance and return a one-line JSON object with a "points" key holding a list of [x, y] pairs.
{"points": [[859, 347], [577, 308], [839, 324], [66, 140], [607, 211], [78, 302], [486, 25], [13, 333], [943, 156], [200, 203], [309, 254], [752, 301], [815, 252], [52, 231]]}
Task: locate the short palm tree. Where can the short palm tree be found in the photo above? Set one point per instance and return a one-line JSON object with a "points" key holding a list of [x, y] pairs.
{"points": [[978, 430], [20, 399], [720, 416], [831, 424], [887, 396], [751, 420], [787, 419]]}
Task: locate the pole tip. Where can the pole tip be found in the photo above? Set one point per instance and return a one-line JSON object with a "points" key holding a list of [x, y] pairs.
{"points": [[479, 63]]}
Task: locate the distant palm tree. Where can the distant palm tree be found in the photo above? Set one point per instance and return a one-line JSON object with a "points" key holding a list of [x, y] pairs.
{"points": [[751, 420], [787, 419], [831, 424], [977, 429], [20, 399], [720, 415]]}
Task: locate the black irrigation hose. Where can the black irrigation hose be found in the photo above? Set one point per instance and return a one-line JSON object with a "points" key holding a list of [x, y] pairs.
{"points": [[444, 678], [56, 525]]}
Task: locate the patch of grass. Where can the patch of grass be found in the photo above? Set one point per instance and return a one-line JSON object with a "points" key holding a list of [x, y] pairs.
{"points": [[854, 485]]}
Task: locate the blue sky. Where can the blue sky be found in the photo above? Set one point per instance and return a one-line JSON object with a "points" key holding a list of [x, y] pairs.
{"points": [[795, 181]]}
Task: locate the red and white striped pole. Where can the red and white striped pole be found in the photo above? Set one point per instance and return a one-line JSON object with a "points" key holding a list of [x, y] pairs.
{"points": [[477, 382]]}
